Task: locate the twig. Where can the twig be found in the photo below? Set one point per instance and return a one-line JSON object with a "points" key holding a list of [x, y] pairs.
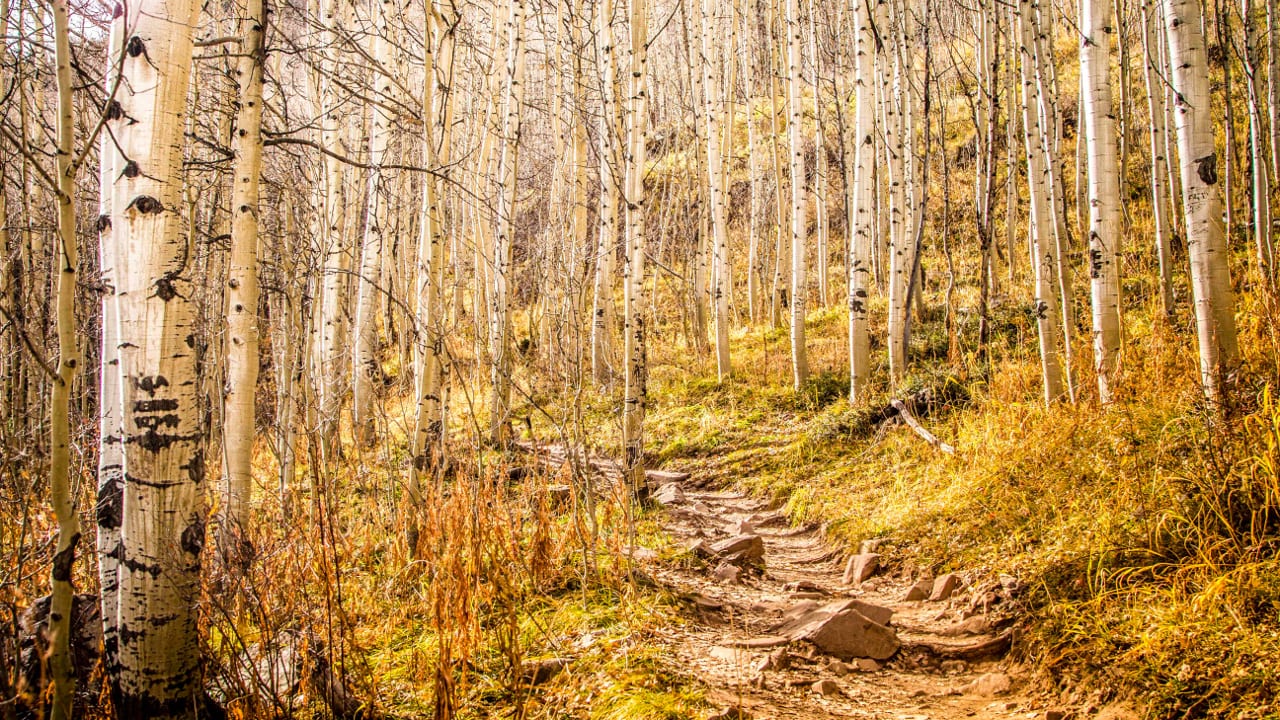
{"points": [[914, 424]]}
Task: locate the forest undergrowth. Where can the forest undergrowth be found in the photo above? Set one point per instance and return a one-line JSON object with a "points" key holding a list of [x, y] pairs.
{"points": [[1145, 533]]}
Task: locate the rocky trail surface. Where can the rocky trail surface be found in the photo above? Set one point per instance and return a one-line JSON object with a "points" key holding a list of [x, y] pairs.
{"points": [[781, 624]]}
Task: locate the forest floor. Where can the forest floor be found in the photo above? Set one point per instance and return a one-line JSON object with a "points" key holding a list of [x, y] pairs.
{"points": [[733, 646]]}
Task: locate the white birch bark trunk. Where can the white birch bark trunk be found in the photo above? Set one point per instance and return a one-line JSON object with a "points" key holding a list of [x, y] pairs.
{"points": [[110, 491], [161, 516], [1259, 165], [329, 358], [500, 310], [1105, 230], [1211, 291], [239, 426], [1041, 221], [862, 200], [66, 262], [427, 442], [366, 363], [635, 396], [1159, 161], [800, 190], [602, 312], [713, 85]]}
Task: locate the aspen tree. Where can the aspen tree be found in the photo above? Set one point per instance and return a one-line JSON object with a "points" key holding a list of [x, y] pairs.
{"points": [[822, 230], [701, 66], [867, 48], [66, 262], [428, 429], [1105, 232], [1261, 182], [366, 366], [110, 490], [800, 191], [635, 396], [1212, 296], [897, 101], [159, 514], [1160, 209], [242, 282], [1041, 220], [500, 310], [328, 355], [715, 89], [602, 313], [781, 253]]}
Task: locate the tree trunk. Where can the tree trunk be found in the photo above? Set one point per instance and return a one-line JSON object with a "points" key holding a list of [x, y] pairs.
{"points": [[715, 89], [1046, 287], [239, 427], [500, 310], [800, 191], [635, 396], [160, 514], [366, 363], [1105, 233], [66, 262], [1206, 242], [1160, 209], [602, 313], [861, 221]]}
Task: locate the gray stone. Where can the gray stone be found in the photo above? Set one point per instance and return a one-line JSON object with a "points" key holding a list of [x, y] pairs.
{"points": [[920, 590], [669, 494], [826, 688], [805, 613], [866, 665], [944, 587], [848, 634], [740, 549], [838, 668], [658, 477], [726, 572], [860, 567], [989, 685]]}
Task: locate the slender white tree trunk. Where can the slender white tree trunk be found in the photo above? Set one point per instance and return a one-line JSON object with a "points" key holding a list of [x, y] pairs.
{"points": [[239, 426], [110, 499], [1159, 162], [635, 396], [66, 262], [602, 313], [715, 88], [800, 191], [156, 668], [366, 363], [1043, 255], [1259, 162], [862, 200], [1201, 199], [1105, 230], [500, 310]]}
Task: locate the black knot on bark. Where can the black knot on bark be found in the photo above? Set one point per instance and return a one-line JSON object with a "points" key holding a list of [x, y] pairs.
{"points": [[114, 111], [136, 46], [131, 169], [146, 205], [1207, 169], [104, 223]]}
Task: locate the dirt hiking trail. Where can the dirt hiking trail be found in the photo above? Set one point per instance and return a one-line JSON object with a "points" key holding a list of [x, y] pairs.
{"points": [[779, 626]]}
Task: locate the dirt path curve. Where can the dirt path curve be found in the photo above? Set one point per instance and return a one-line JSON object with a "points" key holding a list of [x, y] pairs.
{"points": [[731, 641]]}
